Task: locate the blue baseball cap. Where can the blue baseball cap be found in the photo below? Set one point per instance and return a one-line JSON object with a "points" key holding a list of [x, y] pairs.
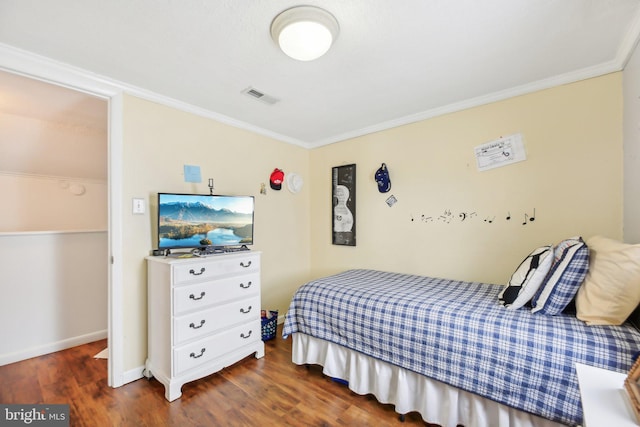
{"points": [[382, 178]]}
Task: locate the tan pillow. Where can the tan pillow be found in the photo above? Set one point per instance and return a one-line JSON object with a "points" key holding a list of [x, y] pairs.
{"points": [[611, 290]]}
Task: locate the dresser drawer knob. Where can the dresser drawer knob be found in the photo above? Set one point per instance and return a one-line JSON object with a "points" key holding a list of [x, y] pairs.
{"points": [[247, 286], [243, 311], [246, 336], [242, 264], [197, 274], [199, 355], [195, 298], [191, 325]]}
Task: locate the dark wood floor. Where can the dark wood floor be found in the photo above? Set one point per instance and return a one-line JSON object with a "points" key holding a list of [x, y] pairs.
{"points": [[271, 391]]}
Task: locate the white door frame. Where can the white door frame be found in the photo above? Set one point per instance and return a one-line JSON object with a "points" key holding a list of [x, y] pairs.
{"points": [[40, 68]]}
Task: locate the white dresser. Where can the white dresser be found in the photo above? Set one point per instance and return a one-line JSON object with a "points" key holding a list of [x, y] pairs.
{"points": [[204, 315]]}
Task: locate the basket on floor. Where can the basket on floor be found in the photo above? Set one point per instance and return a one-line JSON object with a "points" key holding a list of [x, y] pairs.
{"points": [[269, 324]]}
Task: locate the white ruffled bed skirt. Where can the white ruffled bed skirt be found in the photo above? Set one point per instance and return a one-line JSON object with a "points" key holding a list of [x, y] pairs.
{"points": [[437, 402]]}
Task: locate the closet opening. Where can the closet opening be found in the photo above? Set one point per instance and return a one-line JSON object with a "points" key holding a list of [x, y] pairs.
{"points": [[54, 225]]}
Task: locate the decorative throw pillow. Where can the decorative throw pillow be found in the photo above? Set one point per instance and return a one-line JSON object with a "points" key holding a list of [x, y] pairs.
{"points": [[611, 290], [527, 278], [570, 266]]}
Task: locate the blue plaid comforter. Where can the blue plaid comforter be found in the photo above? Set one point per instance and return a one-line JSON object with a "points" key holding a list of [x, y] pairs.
{"points": [[457, 333]]}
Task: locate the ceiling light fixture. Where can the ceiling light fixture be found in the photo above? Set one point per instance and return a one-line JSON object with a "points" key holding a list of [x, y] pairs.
{"points": [[304, 33]]}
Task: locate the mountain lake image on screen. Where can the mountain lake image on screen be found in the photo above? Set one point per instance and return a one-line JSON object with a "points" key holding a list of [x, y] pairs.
{"points": [[194, 220]]}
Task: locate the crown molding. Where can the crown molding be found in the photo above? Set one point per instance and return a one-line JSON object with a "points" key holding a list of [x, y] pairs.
{"points": [[45, 69], [42, 68], [626, 49], [586, 73], [38, 67], [629, 43]]}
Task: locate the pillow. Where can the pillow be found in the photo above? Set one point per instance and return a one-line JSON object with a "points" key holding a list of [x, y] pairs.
{"points": [[571, 262], [527, 278], [611, 290]]}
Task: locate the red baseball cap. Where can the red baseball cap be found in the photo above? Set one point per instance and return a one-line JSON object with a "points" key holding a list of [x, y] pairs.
{"points": [[277, 176]]}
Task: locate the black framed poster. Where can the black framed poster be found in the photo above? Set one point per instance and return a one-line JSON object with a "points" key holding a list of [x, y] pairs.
{"points": [[344, 205]]}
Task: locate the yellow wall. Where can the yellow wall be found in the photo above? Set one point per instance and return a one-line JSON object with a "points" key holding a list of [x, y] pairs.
{"points": [[572, 177], [158, 141]]}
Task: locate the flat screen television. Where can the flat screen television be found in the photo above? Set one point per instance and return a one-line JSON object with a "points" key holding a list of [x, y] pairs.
{"points": [[196, 220]]}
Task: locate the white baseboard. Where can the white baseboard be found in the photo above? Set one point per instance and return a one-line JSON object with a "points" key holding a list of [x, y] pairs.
{"points": [[132, 375], [41, 350]]}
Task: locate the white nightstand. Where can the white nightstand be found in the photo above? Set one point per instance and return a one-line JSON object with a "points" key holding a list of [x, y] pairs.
{"points": [[604, 399]]}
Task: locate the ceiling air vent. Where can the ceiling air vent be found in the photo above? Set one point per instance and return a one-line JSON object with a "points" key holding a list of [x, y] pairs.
{"points": [[255, 93]]}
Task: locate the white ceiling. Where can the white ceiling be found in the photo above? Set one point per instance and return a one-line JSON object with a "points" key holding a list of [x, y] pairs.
{"points": [[394, 62]]}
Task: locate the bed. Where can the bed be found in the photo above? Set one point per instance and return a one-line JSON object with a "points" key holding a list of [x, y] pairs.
{"points": [[448, 350]]}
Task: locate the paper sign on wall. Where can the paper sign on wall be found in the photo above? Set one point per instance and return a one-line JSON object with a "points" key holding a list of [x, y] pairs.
{"points": [[500, 152], [192, 173]]}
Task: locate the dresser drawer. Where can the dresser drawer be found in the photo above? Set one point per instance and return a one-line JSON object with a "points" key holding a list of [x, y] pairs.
{"points": [[206, 350], [198, 324], [207, 268], [201, 295]]}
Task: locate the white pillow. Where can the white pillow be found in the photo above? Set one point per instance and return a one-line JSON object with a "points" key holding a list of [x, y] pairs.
{"points": [[527, 278]]}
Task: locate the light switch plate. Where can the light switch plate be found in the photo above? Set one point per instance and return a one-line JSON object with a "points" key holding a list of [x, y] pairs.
{"points": [[138, 206]]}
